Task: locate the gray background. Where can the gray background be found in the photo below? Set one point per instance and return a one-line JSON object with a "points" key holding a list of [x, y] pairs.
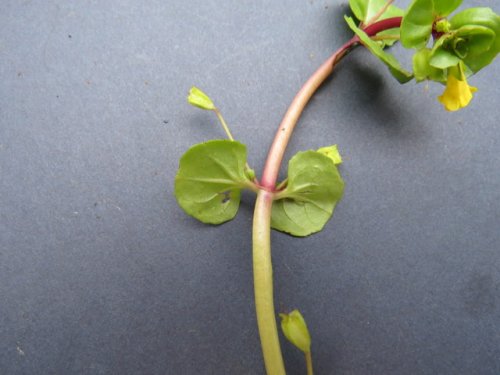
{"points": [[102, 273]]}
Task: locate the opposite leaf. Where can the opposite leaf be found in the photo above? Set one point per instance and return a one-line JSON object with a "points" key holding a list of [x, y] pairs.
{"points": [[416, 26], [365, 10], [314, 188], [210, 178], [444, 7], [392, 63]]}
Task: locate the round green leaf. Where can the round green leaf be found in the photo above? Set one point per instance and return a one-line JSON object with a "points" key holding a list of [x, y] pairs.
{"points": [[314, 188], [469, 25], [476, 39], [209, 180], [416, 26]]}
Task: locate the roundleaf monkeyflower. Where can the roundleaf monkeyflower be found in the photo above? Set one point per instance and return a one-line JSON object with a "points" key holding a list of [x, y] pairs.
{"points": [[458, 93], [295, 330]]}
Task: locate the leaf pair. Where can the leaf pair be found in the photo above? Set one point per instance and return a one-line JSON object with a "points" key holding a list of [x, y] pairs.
{"points": [[212, 174]]}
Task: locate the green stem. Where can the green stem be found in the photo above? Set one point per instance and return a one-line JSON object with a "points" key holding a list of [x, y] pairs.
{"points": [[228, 132], [285, 130], [223, 123], [263, 284], [386, 37], [309, 363], [263, 273]]}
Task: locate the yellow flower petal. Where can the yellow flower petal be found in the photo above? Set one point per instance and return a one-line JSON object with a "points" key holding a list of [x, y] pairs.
{"points": [[457, 94]]}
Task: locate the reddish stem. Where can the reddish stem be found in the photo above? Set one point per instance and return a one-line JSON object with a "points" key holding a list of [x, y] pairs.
{"points": [[285, 130]]}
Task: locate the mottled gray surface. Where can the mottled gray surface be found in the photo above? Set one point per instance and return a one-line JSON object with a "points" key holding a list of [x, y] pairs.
{"points": [[102, 273]]}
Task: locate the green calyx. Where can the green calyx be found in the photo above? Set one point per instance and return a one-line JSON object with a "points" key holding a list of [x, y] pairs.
{"points": [[423, 70], [294, 328], [199, 99]]}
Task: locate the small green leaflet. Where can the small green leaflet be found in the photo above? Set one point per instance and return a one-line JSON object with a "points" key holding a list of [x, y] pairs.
{"points": [[314, 188], [395, 68], [365, 10], [210, 178]]}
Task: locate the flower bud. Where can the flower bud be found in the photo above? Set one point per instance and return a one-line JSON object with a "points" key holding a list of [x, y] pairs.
{"points": [[442, 26], [250, 174], [199, 99], [295, 330]]}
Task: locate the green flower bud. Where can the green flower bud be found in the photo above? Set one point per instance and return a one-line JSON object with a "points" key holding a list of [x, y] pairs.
{"points": [[250, 173], [442, 26], [295, 330], [199, 99]]}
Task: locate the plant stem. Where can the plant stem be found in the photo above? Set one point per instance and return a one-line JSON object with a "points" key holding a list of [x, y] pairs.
{"points": [[386, 37], [285, 130], [223, 123], [263, 284], [228, 133], [263, 281], [309, 363]]}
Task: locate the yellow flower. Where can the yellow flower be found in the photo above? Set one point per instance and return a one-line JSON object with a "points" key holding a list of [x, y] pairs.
{"points": [[295, 330], [458, 93]]}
